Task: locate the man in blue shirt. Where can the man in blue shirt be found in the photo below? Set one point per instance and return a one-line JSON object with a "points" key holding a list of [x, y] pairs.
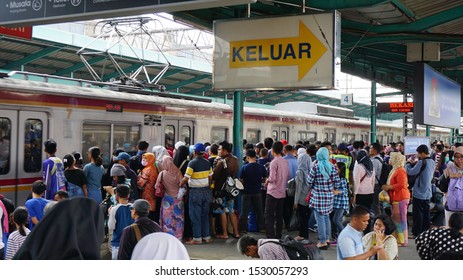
{"points": [[421, 189], [53, 171], [119, 217], [350, 245], [289, 200], [252, 176], [36, 205]]}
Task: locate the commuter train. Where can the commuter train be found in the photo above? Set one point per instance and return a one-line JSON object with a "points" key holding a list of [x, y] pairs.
{"points": [[78, 116]]}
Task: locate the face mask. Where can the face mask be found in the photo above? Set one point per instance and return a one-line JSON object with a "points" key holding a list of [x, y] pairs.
{"points": [[447, 159], [144, 162]]}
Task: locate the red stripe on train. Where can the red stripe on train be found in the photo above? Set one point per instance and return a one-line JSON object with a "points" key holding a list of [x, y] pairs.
{"points": [[20, 181]]}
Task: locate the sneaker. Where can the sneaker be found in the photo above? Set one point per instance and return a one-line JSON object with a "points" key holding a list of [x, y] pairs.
{"points": [[312, 229], [334, 242]]}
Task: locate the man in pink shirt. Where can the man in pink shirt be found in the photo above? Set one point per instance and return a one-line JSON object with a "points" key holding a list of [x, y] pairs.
{"points": [[276, 192]]}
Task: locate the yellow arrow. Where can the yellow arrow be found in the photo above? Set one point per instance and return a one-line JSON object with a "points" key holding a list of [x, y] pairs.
{"points": [[303, 51]]}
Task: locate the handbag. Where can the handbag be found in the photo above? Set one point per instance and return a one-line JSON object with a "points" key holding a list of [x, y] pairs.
{"points": [[291, 187], [160, 192], [229, 187]]}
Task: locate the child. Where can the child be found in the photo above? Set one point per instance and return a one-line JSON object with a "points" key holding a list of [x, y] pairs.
{"points": [[36, 205], [341, 200], [17, 238]]}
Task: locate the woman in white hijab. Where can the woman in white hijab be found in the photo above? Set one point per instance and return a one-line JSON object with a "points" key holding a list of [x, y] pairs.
{"points": [[160, 246], [160, 152], [304, 163]]}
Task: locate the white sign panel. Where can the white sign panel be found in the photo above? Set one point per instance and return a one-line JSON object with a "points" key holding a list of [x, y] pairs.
{"points": [[412, 142], [294, 52], [347, 99]]}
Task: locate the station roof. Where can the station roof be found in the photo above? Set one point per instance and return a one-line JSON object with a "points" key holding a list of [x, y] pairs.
{"points": [[373, 42]]}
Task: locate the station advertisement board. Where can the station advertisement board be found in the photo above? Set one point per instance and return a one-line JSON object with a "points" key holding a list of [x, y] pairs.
{"points": [[296, 52], [437, 98], [20, 32], [412, 142], [29, 12]]}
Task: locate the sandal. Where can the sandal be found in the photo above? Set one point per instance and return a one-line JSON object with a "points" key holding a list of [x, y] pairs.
{"points": [[221, 237], [193, 242]]}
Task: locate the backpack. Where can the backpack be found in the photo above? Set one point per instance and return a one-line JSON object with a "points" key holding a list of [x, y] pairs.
{"points": [[412, 178], [455, 194], [385, 170], [299, 250]]}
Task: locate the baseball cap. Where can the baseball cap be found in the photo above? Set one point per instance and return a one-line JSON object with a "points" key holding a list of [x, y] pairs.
{"points": [[342, 147], [141, 206], [124, 156], [199, 148], [118, 170]]}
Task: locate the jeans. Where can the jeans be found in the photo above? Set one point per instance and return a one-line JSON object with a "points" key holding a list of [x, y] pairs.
{"points": [[114, 252], [324, 226], [421, 216], [337, 219], [274, 216], [252, 201], [199, 200], [74, 190], [95, 194]]}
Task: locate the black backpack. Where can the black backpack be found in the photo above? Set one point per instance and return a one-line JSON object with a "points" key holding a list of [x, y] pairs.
{"points": [[385, 170], [299, 250], [412, 178]]}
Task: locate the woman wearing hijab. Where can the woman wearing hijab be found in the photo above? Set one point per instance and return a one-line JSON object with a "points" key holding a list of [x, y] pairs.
{"points": [[159, 246], [397, 188], [181, 160], [451, 183], [323, 179], [160, 152], [146, 181], [171, 218], [364, 181], [302, 189], [72, 230]]}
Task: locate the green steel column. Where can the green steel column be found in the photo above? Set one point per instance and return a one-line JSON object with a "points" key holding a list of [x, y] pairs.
{"points": [[428, 131], [373, 113], [452, 141], [238, 119], [457, 135]]}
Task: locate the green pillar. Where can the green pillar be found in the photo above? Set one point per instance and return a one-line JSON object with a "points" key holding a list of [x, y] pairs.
{"points": [[373, 113], [452, 134], [428, 131], [238, 119], [457, 135]]}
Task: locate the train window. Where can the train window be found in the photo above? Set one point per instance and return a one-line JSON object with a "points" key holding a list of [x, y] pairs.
{"points": [[330, 135], [186, 134], [97, 135], [348, 138], [126, 137], [33, 145], [283, 135], [307, 136], [169, 132], [219, 134], [380, 138], [253, 136], [5, 137], [389, 137], [275, 135]]}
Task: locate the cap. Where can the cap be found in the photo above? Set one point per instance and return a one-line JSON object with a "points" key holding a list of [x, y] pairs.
{"points": [[124, 156], [118, 170], [342, 147], [141, 206], [199, 148]]}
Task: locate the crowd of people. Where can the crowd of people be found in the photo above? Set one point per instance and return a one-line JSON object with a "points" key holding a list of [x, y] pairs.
{"points": [[355, 197]]}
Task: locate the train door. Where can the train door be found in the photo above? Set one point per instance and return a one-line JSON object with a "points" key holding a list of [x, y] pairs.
{"points": [[178, 130], [280, 133], [21, 151], [329, 134]]}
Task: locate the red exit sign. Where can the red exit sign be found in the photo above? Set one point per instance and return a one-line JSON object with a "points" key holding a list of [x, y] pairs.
{"points": [[395, 107], [112, 107], [21, 32]]}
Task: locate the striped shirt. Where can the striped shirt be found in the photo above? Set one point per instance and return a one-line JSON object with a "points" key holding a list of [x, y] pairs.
{"points": [[271, 251], [322, 189], [198, 172], [15, 241]]}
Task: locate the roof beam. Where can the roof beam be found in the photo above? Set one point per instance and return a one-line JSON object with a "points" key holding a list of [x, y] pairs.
{"points": [[405, 38], [78, 66], [200, 90], [417, 26], [31, 58], [340, 4], [186, 82], [267, 96], [403, 8]]}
